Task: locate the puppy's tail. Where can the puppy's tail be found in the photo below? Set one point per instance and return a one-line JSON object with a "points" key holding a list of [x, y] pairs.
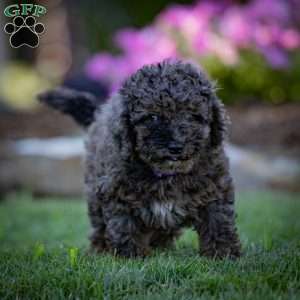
{"points": [[81, 106]]}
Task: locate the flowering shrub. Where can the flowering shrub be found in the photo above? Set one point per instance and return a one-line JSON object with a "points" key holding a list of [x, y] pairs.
{"points": [[252, 49]]}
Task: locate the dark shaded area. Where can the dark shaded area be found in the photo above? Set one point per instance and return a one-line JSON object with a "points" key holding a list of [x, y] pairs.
{"points": [[99, 25]]}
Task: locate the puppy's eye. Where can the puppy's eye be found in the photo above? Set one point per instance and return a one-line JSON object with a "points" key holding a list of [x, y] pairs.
{"points": [[199, 119], [154, 118]]}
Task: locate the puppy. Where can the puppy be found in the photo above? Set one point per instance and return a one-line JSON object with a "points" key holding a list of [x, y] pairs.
{"points": [[155, 162]]}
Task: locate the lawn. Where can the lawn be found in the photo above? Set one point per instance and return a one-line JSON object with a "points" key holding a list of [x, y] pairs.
{"points": [[43, 256]]}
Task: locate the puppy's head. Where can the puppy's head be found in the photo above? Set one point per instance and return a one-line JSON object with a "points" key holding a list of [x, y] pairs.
{"points": [[173, 115]]}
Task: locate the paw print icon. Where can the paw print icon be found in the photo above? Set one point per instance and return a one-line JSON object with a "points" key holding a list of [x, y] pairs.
{"points": [[24, 31]]}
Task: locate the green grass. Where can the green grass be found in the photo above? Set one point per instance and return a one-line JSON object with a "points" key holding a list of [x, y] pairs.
{"points": [[43, 256]]}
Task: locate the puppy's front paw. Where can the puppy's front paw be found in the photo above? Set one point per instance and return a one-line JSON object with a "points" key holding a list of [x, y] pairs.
{"points": [[131, 251], [233, 252]]}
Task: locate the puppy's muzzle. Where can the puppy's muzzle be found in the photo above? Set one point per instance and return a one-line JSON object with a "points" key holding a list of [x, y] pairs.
{"points": [[175, 148]]}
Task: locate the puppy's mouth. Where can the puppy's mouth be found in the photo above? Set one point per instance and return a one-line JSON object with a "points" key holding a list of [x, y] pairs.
{"points": [[160, 174], [173, 158], [166, 165], [166, 159], [172, 166]]}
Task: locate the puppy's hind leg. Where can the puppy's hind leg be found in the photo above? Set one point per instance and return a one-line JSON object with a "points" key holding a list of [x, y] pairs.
{"points": [[97, 237]]}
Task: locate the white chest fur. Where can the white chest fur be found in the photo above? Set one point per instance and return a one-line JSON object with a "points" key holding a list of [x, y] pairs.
{"points": [[167, 214], [162, 210]]}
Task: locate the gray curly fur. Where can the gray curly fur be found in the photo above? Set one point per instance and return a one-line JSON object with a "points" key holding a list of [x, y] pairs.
{"points": [[155, 163]]}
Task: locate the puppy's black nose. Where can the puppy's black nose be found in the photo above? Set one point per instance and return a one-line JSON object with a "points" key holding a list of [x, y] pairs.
{"points": [[175, 148]]}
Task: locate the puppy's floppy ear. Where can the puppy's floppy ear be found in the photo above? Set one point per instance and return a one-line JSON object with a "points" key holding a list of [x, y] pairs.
{"points": [[219, 123], [121, 128]]}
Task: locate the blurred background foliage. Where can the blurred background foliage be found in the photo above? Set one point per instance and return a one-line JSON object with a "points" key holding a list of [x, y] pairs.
{"points": [[254, 80], [102, 18], [18, 79], [250, 47]]}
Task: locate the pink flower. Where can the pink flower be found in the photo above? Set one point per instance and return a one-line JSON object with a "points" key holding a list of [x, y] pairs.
{"points": [[106, 67], [236, 26], [130, 40], [276, 57], [201, 43], [149, 39], [98, 65], [139, 47], [263, 35], [269, 10], [208, 10], [290, 39], [175, 15], [223, 49], [189, 21], [218, 28]]}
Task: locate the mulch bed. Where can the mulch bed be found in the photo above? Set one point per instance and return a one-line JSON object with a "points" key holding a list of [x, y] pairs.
{"points": [[267, 127]]}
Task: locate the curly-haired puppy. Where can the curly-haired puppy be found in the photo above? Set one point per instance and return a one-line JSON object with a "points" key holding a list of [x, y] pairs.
{"points": [[155, 162]]}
